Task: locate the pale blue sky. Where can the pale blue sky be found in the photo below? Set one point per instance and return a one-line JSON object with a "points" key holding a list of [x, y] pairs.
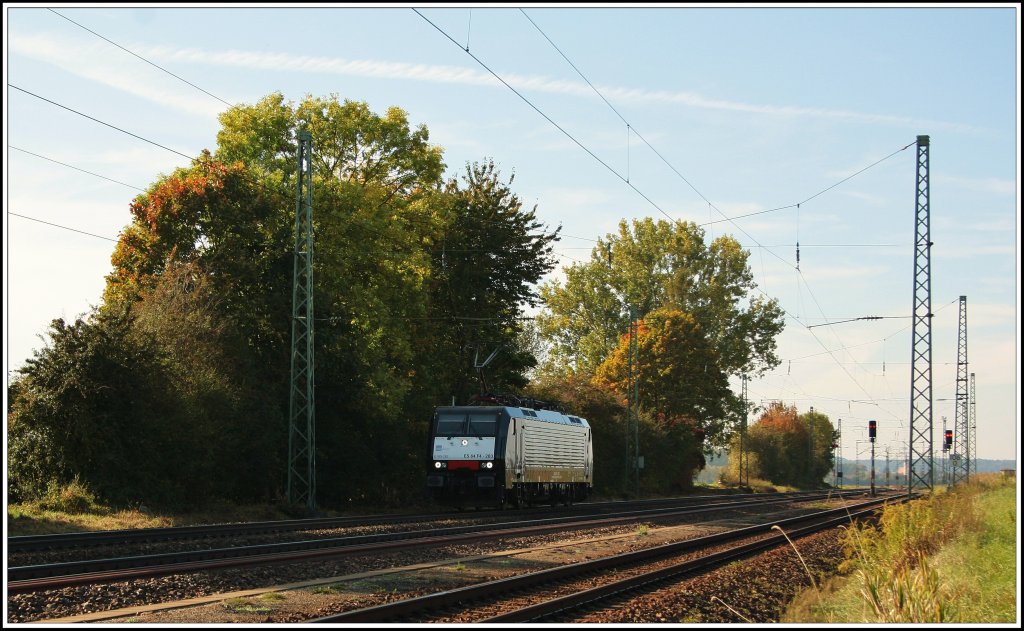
{"points": [[757, 108]]}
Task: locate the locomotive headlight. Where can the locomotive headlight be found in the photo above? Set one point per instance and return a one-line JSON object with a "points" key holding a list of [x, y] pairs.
{"points": [[437, 465], [488, 465]]}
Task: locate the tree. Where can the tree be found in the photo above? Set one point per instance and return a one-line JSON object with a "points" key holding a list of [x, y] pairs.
{"points": [[90, 404], [792, 449], [655, 264], [487, 259], [218, 216], [680, 385], [350, 143], [409, 273], [821, 435]]}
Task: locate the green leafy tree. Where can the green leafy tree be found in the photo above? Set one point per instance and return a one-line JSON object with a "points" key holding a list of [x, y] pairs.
{"points": [[91, 404], [487, 259], [655, 264], [410, 273], [350, 143], [228, 431], [821, 458]]}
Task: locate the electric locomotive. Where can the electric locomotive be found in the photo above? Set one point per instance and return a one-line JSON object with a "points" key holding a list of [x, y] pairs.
{"points": [[508, 451]]}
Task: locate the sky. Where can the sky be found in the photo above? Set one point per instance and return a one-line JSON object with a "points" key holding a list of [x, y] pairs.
{"points": [[603, 113]]}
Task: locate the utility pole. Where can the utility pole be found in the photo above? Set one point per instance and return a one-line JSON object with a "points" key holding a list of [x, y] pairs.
{"points": [[301, 414], [887, 466], [810, 446], [919, 471], [872, 429], [633, 409], [961, 460], [744, 466], [839, 462], [973, 437]]}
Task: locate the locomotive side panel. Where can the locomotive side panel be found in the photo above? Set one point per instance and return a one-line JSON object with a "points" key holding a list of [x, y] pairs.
{"points": [[540, 452]]}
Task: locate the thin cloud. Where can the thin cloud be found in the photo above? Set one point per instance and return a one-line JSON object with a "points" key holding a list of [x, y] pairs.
{"points": [[469, 76], [78, 58], [90, 61], [984, 185]]}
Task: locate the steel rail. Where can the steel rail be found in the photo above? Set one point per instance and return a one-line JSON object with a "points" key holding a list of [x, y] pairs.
{"points": [[404, 608], [51, 576], [53, 541]]}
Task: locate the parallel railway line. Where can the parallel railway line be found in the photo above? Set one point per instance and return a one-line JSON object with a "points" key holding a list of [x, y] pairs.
{"points": [[56, 575], [526, 598], [28, 543]]}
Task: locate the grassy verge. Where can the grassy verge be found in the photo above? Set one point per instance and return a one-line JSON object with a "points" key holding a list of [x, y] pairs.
{"points": [[951, 558], [73, 508]]}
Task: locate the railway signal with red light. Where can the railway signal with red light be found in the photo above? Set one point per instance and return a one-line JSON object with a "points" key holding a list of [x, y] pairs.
{"points": [[948, 440], [872, 430]]}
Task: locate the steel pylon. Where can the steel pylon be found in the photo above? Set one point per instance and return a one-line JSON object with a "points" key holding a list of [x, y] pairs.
{"points": [[920, 475], [960, 459], [301, 412]]}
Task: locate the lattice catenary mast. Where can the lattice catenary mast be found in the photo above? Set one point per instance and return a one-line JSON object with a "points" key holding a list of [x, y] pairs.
{"points": [[960, 459], [972, 447], [301, 413], [920, 475]]}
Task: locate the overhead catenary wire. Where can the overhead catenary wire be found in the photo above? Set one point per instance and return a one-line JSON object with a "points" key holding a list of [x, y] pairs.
{"points": [[75, 168], [208, 93], [57, 225], [548, 118], [141, 57], [710, 204], [124, 131], [632, 128], [587, 150]]}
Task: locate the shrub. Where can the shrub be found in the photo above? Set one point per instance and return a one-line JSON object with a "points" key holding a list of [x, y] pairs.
{"points": [[73, 497]]}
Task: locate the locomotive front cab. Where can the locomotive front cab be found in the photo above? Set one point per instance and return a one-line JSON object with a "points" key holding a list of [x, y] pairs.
{"points": [[465, 466]]}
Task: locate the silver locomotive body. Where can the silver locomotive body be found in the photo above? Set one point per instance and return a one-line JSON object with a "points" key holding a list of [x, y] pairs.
{"points": [[496, 455]]}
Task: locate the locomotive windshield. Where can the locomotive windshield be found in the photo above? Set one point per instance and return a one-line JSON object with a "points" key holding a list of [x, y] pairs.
{"points": [[471, 424], [449, 424], [482, 424]]}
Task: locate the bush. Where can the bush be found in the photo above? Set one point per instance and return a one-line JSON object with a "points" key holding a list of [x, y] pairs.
{"points": [[73, 497]]}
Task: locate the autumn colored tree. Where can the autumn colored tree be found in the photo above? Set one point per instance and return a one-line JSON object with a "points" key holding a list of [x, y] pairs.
{"points": [[681, 386], [792, 449]]}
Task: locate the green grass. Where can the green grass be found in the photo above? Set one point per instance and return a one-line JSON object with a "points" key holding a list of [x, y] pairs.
{"points": [[244, 605], [949, 558], [981, 567], [273, 597], [74, 508]]}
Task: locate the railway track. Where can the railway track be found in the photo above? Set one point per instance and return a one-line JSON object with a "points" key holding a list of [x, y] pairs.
{"points": [[30, 578], [58, 541], [526, 598]]}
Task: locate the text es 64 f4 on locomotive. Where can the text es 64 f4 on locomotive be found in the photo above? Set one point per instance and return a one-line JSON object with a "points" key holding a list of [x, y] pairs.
{"points": [[491, 455]]}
